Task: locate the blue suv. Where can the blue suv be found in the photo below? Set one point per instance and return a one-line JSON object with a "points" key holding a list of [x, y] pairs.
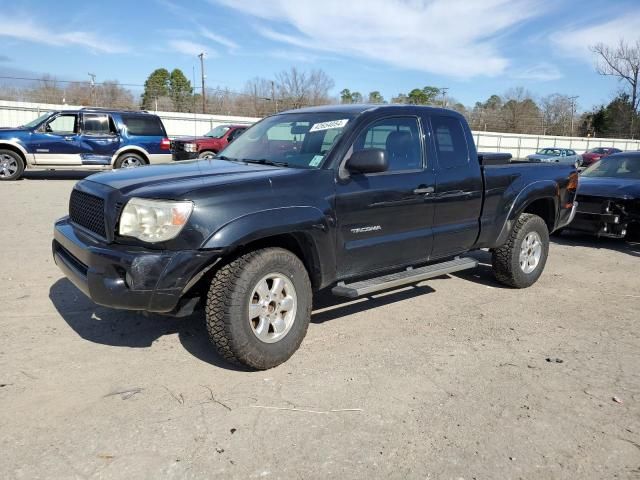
{"points": [[89, 138]]}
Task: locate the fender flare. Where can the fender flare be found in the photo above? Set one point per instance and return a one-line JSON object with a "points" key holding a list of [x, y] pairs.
{"points": [[27, 156], [266, 223], [308, 222], [538, 190], [126, 148]]}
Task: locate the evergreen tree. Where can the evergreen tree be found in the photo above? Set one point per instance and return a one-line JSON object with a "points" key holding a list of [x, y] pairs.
{"points": [[155, 87]]}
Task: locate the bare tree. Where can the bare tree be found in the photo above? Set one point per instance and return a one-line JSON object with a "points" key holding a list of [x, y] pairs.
{"points": [[298, 89], [556, 114], [622, 62]]}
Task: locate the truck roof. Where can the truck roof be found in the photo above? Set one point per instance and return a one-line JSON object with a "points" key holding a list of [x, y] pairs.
{"points": [[360, 108]]}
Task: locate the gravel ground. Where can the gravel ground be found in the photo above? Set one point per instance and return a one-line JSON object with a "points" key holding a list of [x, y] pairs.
{"points": [[447, 379]]}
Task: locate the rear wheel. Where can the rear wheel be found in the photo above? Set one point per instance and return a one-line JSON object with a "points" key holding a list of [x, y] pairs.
{"points": [[258, 308], [520, 261], [11, 165], [129, 160]]}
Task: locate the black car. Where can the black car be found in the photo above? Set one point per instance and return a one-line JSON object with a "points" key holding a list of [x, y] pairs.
{"points": [[353, 198], [609, 197]]}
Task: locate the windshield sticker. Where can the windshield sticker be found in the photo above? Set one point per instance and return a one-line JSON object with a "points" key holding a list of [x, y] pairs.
{"points": [[329, 125], [315, 161]]}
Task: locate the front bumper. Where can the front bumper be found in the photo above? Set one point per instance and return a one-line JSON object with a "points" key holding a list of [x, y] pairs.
{"points": [[603, 225], [125, 277], [179, 156]]}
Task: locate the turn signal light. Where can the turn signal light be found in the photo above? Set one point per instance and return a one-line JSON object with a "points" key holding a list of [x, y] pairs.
{"points": [[573, 182]]}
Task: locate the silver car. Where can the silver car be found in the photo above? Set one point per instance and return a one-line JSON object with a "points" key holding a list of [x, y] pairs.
{"points": [[556, 155]]}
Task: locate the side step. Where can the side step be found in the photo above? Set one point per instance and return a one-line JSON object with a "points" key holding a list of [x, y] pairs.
{"points": [[371, 285]]}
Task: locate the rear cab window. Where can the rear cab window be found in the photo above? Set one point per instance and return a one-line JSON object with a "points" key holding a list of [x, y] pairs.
{"points": [[450, 142], [143, 125]]}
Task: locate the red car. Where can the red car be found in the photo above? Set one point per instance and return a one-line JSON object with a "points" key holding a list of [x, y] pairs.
{"points": [[592, 156], [208, 146]]}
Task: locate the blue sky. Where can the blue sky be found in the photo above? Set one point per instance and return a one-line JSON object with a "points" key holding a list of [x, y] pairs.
{"points": [[475, 48]]}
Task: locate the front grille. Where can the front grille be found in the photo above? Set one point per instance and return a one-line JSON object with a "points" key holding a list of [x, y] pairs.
{"points": [[589, 204], [177, 146], [87, 211]]}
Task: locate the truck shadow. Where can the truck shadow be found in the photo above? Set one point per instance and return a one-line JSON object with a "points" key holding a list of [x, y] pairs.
{"points": [[329, 307], [56, 174], [570, 238], [122, 328], [483, 273]]}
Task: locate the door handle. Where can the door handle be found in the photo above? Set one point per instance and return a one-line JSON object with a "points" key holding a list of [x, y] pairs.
{"points": [[423, 191]]}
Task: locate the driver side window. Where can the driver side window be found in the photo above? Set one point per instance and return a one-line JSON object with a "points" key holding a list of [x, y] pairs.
{"points": [[399, 137], [63, 125]]}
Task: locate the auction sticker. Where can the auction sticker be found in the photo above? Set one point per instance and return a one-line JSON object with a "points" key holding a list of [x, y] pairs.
{"points": [[329, 125], [315, 161]]}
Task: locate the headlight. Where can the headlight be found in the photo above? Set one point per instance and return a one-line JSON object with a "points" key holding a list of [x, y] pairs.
{"points": [[154, 220], [190, 147]]}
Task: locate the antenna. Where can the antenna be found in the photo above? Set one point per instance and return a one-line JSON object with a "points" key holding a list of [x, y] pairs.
{"points": [[195, 118], [204, 102]]}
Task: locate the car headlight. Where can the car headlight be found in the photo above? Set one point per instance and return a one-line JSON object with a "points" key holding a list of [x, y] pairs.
{"points": [[190, 147], [154, 220]]}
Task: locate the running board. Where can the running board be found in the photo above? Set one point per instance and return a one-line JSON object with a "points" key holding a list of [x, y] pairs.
{"points": [[393, 280]]}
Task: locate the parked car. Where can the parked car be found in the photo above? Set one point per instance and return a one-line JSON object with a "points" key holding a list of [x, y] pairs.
{"points": [[207, 146], [89, 138], [353, 198], [556, 155], [609, 197], [591, 156]]}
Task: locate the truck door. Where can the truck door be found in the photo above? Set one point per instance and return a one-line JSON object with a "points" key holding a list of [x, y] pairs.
{"points": [[99, 139], [385, 219], [56, 142], [458, 197]]}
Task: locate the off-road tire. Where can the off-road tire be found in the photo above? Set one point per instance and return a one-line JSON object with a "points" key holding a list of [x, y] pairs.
{"points": [[124, 156], [227, 316], [20, 165], [505, 260]]}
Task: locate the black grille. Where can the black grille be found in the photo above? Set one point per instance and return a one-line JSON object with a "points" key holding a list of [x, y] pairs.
{"points": [[87, 211]]}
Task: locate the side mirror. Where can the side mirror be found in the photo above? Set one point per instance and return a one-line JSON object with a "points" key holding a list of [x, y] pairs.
{"points": [[371, 160]]}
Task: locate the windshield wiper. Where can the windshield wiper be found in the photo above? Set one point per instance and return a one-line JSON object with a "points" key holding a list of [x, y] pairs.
{"points": [[264, 161], [222, 157]]}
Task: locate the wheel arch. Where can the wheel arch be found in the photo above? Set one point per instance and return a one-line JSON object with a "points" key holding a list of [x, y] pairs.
{"points": [[16, 148], [130, 149]]}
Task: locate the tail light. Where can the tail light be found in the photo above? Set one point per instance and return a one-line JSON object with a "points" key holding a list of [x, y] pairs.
{"points": [[165, 144]]}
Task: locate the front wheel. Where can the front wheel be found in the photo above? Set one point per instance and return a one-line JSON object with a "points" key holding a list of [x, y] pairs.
{"points": [[258, 308], [11, 165], [207, 154], [520, 261]]}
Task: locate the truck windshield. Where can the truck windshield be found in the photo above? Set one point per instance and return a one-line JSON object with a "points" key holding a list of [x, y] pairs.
{"points": [[300, 140], [615, 167], [37, 121], [218, 132]]}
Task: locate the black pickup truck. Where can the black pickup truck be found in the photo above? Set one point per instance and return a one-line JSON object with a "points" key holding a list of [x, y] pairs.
{"points": [[352, 198]]}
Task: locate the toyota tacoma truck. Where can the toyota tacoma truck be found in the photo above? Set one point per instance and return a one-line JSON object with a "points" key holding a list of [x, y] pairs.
{"points": [[355, 199]]}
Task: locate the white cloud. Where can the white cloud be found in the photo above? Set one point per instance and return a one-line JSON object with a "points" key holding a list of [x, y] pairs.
{"points": [[189, 48], [574, 41], [27, 30], [459, 38], [542, 72], [208, 34]]}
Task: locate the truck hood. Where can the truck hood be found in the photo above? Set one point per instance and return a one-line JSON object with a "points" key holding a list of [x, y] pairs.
{"points": [[174, 180], [609, 187], [4, 131]]}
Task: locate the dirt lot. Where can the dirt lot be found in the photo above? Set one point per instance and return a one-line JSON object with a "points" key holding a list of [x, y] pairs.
{"points": [[448, 379]]}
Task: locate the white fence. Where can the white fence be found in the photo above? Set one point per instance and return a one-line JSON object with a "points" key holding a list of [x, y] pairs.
{"points": [[13, 114], [518, 145]]}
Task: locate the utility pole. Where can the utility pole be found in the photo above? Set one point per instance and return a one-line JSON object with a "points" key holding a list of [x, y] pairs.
{"points": [[273, 96], [573, 108], [92, 83], [204, 100], [444, 96]]}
